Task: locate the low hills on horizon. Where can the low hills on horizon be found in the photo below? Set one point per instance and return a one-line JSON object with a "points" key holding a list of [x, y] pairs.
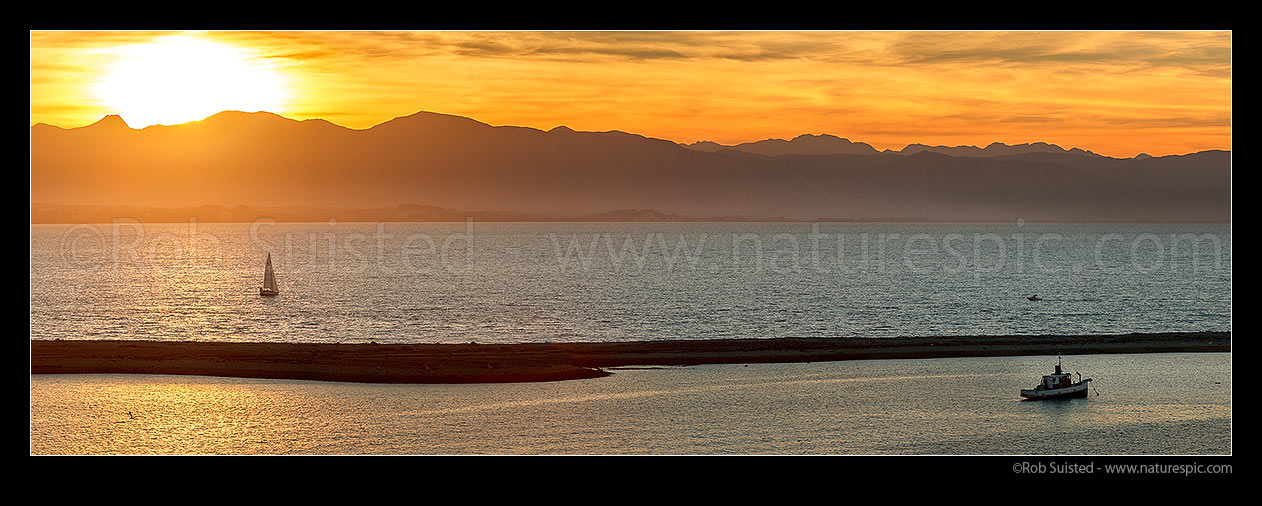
{"points": [[447, 162], [828, 144]]}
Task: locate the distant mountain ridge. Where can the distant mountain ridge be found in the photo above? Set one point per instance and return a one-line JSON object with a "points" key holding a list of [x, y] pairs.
{"points": [[453, 162], [805, 144], [826, 144], [995, 149]]}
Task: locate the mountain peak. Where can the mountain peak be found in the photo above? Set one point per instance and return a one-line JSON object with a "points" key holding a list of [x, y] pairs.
{"points": [[323, 123], [430, 118], [706, 146], [826, 137], [111, 121], [238, 115]]}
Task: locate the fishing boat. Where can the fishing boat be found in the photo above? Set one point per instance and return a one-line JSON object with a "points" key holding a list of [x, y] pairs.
{"points": [[269, 279], [1058, 385]]}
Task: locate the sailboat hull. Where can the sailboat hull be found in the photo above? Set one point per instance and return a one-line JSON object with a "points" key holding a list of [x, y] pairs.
{"points": [[266, 292]]}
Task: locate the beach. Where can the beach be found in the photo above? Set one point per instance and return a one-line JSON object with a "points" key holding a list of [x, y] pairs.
{"points": [[536, 362]]}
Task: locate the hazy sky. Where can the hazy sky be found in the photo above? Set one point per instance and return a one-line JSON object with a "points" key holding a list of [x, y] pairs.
{"points": [[1116, 93]]}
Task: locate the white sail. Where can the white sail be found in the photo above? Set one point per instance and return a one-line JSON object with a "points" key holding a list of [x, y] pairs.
{"points": [[269, 277]]}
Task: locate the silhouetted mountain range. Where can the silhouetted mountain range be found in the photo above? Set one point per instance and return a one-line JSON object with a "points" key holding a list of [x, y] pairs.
{"points": [[994, 149], [832, 145], [805, 144], [266, 161]]}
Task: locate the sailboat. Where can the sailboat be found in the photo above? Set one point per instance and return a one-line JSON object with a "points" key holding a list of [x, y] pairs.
{"points": [[269, 279]]}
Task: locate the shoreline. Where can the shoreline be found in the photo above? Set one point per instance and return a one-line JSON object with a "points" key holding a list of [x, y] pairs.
{"points": [[535, 362]]}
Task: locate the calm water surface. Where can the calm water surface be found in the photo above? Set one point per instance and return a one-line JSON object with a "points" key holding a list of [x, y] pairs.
{"points": [[519, 282], [1146, 404]]}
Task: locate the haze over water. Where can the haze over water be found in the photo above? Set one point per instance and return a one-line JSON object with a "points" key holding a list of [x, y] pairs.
{"points": [[551, 282]]}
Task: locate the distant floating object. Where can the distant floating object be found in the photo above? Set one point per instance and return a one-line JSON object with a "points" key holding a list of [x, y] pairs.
{"points": [[269, 279], [1034, 297]]}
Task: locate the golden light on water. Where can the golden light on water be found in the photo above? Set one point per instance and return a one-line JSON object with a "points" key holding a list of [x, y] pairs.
{"points": [[178, 79]]}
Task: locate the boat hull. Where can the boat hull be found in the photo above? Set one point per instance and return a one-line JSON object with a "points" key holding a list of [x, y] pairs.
{"points": [[266, 292], [1070, 392]]}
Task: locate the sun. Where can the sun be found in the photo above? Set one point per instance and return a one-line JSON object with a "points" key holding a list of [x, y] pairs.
{"points": [[177, 79]]}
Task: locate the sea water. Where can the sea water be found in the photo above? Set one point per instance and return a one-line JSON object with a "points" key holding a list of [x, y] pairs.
{"points": [[555, 282], [1153, 404]]}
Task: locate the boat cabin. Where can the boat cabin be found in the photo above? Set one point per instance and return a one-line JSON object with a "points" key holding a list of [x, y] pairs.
{"points": [[1057, 379]]}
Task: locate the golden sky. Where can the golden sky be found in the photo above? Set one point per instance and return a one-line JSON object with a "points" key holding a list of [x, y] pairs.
{"points": [[1115, 93]]}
